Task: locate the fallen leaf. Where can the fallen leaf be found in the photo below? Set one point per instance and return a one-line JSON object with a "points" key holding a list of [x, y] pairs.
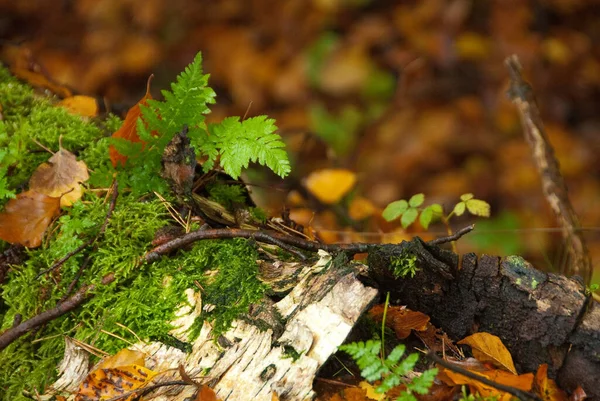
{"points": [[81, 105], [370, 392], [122, 358], [26, 68], [26, 218], [546, 388], [128, 130], [523, 382], [102, 384], [360, 208], [330, 185], [489, 348], [400, 319], [60, 177], [208, 394], [578, 394]]}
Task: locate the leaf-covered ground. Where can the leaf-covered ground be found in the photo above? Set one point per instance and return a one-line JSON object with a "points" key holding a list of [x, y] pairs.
{"points": [[410, 96]]}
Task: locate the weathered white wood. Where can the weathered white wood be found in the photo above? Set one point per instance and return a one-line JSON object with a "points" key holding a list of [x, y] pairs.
{"points": [[317, 316]]}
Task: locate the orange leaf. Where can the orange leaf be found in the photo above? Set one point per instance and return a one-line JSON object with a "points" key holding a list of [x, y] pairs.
{"points": [[361, 208], [522, 382], [25, 67], [400, 319], [330, 185], [82, 105], [547, 388], [489, 348], [207, 394], [102, 384], [26, 218], [129, 128], [60, 177]]}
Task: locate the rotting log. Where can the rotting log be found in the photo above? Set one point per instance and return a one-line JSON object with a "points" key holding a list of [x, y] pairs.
{"points": [[540, 317], [278, 347]]}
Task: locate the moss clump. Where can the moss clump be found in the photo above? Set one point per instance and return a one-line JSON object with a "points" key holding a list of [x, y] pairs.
{"points": [[28, 118], [142, 297]]}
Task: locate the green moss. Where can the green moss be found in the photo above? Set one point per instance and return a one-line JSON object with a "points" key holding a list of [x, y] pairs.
{"points": [[142, 297], [28, 118]]}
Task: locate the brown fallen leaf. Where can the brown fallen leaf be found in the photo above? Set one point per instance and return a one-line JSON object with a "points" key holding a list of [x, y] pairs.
{"points": [[400, 319], [128, 130], [60, 177], [522, 382], [487, 347], [26, 218]]}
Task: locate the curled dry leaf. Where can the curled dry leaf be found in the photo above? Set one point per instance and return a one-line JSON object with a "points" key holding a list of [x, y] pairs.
{"points": [[487, 347], [85, 106], [330, 185], [128, 130], [60, 177], [26, 218]]}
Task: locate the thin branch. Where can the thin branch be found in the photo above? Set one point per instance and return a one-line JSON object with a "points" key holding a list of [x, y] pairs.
{"points": [[520, 394], [111, 207], [275, 238], [68, 305], [453, 237], [553, 183], [271, 237]]}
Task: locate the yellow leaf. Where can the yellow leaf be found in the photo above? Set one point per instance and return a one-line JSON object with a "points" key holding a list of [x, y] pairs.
{"points": [[370, 390], [122, 358], [60, 177], [330, 185], [82, 105], [489, 348]]}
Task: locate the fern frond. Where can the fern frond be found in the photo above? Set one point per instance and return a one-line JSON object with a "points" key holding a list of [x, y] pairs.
{"points": [[251, 140]]}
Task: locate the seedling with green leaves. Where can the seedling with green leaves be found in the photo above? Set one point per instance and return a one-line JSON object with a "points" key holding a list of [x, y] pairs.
{"points": [[408, 211]]}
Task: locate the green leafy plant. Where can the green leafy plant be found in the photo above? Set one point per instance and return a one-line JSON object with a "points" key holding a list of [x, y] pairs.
{"points": [[232, 143], [408, 211], [404, 265], [391, 370]]}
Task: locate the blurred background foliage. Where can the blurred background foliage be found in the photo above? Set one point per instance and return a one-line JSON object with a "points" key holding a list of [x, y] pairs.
{"points": [[408, 95]]}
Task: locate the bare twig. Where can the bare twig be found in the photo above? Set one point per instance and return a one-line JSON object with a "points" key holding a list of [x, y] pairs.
{"points": [[111, 207], [271, 237], [275, 238], [453, 237], [520, 394], [140, 392], [68, 305], [553, 183]]}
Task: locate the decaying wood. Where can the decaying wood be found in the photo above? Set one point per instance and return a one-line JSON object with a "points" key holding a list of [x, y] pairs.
{"points": [[540, 317], [553, 182], [278, 347]]}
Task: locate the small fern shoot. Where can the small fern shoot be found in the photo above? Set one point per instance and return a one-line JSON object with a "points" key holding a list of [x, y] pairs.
{"points": [[391, 370]]}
